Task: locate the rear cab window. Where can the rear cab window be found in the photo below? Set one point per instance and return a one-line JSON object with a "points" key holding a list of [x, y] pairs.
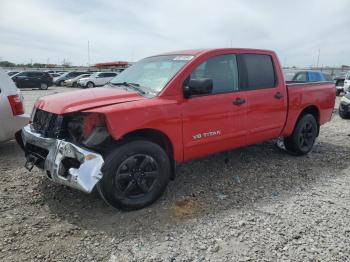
{"points": [[256, 71]]}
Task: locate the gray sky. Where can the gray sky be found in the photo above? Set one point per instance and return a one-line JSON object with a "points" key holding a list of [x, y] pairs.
{"points": [[53, 30]]}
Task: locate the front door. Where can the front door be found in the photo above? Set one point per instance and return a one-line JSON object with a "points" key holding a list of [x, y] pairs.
{"points": [[212, 123]]}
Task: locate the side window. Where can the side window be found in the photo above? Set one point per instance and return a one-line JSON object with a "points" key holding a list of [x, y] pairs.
{"points": [[34, 74], [314, 77], [23, 74], [300, 77], [222, 70], [259, 70], [110, 74], [102, 75]]}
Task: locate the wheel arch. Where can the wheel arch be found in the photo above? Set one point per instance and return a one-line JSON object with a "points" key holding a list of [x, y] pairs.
{"points": [[312, 110], [158, 137]]}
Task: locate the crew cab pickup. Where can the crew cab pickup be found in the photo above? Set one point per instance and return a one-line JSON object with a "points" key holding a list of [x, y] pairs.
{"points": [[125, 138]]}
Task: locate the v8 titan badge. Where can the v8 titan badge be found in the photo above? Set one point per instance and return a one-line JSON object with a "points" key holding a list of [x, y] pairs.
{"points": [[206, 134]]}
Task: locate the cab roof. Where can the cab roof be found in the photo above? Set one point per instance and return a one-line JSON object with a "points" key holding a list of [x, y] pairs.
{"points": [[197, 52]]}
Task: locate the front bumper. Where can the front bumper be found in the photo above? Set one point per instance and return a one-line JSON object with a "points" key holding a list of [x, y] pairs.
{"points": [[340, 88], [82, 84], [64, 162]]}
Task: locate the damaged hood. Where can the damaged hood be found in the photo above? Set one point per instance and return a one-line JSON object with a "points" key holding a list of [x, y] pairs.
{"points": [[85, 99]]}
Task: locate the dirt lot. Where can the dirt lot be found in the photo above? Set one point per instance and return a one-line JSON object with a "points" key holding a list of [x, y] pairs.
{"points": [[255, 203]]}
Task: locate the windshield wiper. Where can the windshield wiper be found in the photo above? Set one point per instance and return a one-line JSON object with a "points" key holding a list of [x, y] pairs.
{"points": [[131, 85]]}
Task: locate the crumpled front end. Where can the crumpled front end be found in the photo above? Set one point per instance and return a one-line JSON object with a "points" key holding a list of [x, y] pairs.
{"points": [[64, 162]]}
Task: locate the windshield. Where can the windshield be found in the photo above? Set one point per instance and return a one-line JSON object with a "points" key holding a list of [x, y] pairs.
{"points": [[153, 73]]}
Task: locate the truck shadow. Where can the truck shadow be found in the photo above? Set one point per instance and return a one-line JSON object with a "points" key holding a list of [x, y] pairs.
{"points": [[231, 180]]}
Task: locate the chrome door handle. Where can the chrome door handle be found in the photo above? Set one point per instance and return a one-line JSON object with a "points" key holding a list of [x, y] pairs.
{"points": [[278, 95], [239, 101]]}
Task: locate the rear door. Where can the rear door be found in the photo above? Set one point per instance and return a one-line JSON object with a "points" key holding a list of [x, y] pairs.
{"points": [[265, 96], [212, 123], [35, 79]]}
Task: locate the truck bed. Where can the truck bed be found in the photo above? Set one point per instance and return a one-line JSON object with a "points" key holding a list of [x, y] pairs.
{"points": [[301, 95]]}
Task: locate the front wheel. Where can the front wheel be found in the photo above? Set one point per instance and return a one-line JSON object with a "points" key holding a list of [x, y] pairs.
{"points": [[303, 137], [90, 85], [338, 92], [134, 175], [43, 86]]}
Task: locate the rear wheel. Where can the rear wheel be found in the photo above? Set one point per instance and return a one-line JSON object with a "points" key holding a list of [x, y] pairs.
{"points": [[43, 86], [303, 137], [134, 175], [61, 83]]}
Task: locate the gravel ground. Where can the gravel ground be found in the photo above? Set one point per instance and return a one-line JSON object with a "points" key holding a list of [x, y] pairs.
{"points": [[255, 203]]}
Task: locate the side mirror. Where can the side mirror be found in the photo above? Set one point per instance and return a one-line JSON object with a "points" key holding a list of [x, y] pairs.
{"points": [[202, 86]]}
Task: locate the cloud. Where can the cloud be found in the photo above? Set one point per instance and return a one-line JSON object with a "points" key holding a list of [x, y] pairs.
{"points": [[129, 30]]}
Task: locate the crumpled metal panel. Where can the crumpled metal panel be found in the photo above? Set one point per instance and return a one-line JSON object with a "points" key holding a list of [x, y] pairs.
{"points": [[84, 178]]}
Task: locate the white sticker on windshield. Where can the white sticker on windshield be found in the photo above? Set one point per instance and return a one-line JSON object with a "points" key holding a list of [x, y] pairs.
{"points": [[183, 57]]}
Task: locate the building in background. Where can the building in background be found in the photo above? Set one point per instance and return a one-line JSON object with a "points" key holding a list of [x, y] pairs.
{"points": [[117, 66]]}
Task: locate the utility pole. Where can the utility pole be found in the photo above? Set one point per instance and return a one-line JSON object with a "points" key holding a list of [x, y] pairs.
{"points": [[88, 54], [318, 57]]}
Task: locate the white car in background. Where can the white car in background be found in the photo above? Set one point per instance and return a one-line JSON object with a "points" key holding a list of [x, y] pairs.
{"points": [[347, 83], [73, 82], [12, 117], [97, 79]]}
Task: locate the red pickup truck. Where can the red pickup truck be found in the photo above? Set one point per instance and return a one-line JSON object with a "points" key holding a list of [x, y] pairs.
{"points": [[126, 138]]}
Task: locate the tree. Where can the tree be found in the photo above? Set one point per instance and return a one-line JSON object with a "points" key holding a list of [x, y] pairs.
{"points": [[7, 64]]}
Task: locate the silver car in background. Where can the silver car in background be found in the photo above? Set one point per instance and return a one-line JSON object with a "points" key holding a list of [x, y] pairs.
{"points": [[12, 117]]}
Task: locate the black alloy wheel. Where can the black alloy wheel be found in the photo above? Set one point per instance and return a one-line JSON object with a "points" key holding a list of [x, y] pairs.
{"points": [[306, 136], [135, 175], [303, 137]]}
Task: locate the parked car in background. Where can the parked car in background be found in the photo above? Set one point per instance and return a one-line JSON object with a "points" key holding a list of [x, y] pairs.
{"points": [[126, 139], [33, 79], [97, 79], [327, 77], [344, 106], [306, 76], [346, 87], [11, 73], [12, 117], [74, 81], [339, 82], [59, 81], [54, 75]]}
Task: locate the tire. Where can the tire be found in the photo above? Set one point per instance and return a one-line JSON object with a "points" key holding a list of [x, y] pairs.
{"points": [[303, 137], [74, 84], [61, 83], [338, 92], [344, 115], [90, 85], [44, 86], [135, 175]]}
